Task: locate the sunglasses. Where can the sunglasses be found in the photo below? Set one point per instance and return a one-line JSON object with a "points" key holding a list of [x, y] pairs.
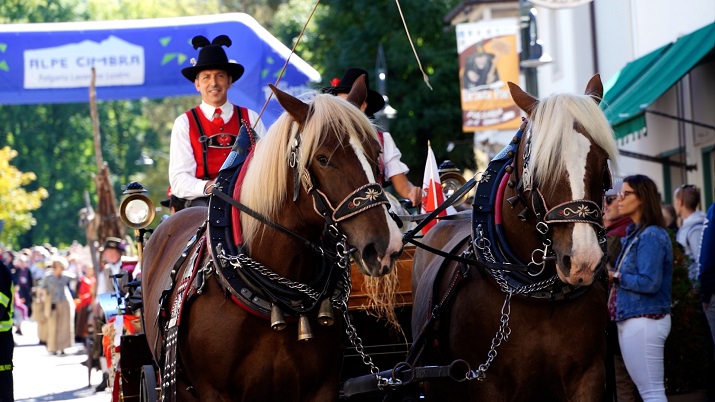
{"points": [[624, 194], [609, 199]]}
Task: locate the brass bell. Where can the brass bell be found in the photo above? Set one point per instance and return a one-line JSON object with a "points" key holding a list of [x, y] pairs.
{"points": [[278, 322], [304, 332], [325, 313]]}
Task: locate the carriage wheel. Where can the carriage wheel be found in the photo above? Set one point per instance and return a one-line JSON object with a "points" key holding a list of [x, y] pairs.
{"points": [[147, 385]]}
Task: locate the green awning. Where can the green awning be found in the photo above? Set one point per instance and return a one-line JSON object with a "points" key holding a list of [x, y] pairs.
{"points": [[644, 80]]}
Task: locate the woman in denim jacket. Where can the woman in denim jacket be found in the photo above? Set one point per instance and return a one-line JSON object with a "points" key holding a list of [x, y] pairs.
{"points": [[640, 301]]}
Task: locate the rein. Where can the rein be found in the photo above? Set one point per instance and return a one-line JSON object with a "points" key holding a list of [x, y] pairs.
{"points": [[408, 237]]}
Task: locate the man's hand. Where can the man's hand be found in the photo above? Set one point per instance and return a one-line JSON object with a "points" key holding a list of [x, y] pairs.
{"points": [[208, 186], [415, 196], [406, 189]]}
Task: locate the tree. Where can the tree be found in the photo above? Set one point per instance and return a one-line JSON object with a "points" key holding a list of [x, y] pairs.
{"points": [[17, 203], [347, 33]]}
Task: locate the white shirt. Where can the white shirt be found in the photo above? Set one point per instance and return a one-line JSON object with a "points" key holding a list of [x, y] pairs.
{"points": [[391, 157], [182, 165], [104, 284]]}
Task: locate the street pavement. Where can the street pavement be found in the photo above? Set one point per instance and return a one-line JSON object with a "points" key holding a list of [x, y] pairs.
{"points": [[40, 376]]}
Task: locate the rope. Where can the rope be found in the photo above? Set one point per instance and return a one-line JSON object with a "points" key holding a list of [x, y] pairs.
{"points": [[424, 75], [285, 65]]}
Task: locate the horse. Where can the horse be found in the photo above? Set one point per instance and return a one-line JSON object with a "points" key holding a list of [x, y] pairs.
{"points": [[536, 335], [293, 256]]}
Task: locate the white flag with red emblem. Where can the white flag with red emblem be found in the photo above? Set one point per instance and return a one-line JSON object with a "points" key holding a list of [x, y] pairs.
{"points": [[432, 193]]}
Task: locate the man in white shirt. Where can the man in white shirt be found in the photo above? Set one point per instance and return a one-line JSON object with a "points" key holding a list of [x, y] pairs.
{"points": [[203, 137], [686, 200], [392, 167], [112, 252]]}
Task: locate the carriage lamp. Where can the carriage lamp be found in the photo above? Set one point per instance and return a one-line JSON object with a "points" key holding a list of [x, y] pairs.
{"points": [[452, 180], [137, 210]]}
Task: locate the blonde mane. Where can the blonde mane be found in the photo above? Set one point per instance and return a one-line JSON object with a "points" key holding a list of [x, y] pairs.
{"points": [[552, 129], [264, 188]]}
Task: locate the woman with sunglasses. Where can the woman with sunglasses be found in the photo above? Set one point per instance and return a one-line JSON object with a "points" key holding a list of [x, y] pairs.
{"points": [[640, 300]]}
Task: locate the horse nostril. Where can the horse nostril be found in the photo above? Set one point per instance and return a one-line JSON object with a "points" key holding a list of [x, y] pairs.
{"points": [[369, 253], [567, 262]]}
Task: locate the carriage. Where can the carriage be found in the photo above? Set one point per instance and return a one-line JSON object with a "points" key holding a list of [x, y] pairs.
{"points": [[276, 329]]}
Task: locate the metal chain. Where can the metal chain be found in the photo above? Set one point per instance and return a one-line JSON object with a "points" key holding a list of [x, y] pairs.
{"points": [[341, 303], [242, 261], [502, 335]]}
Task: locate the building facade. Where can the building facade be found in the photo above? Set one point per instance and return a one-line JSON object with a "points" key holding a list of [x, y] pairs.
{"points": [[674, 140]]}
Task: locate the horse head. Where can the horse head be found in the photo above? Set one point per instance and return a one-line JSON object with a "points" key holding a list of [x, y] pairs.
{"points": [[330, 152], [562, 169]]}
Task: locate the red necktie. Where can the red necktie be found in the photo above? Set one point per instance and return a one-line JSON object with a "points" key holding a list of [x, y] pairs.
{"points": [[217, 117]]}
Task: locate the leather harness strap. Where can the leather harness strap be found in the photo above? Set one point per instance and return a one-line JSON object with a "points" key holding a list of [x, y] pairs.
{"points": [[204, 143]]}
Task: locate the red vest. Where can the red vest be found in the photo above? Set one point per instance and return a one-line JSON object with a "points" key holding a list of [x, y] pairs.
{"points": [[220, 139]]}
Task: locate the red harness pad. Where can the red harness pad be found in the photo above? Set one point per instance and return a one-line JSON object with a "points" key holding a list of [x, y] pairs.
{"points": [[185, 290]]}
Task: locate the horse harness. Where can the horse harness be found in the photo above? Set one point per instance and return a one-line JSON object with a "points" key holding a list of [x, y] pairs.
{"points": [[487, 249], [253, 286]]}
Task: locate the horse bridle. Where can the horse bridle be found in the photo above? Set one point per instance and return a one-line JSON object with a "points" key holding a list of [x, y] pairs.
{"points": [[574, 211], [361, 199]]}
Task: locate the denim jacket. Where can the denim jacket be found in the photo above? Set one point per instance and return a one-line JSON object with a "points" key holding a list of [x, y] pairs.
{"points": [[646, 273]]}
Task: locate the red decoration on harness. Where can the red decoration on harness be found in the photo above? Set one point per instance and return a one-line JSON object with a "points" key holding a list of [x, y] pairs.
{"points": [[335, 81]]}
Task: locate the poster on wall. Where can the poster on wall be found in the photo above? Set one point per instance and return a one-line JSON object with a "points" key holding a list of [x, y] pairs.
{"points": [[488, 59]]}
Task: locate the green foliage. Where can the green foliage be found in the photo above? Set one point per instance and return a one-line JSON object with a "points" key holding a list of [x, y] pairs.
{"points": [[140, 9], [688, 349], [347, 33], [23, 11], [17, 203]]}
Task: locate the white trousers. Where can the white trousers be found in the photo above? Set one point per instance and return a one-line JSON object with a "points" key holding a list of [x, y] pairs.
{"points": [[642, 342]]}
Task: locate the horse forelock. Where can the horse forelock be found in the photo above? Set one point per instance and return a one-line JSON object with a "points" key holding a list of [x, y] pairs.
{"points": [[553, 139], [264, 186]]}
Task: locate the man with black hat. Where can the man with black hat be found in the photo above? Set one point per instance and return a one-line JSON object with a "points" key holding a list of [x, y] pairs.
{"points": [[391, 166], [112, 251], [203, 137]]}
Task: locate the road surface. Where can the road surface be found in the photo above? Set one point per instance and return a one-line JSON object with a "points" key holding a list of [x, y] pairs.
{"points": [[40, 376]]}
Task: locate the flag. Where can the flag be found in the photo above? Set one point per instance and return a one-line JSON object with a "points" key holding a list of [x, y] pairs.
{"points": [[432, 193]]}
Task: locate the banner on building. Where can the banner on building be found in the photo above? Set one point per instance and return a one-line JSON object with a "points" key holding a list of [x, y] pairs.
{"points": [[488, 59]]}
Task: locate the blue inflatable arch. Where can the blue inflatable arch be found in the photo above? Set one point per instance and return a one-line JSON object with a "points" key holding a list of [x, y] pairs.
{"points": [[51, 62]]}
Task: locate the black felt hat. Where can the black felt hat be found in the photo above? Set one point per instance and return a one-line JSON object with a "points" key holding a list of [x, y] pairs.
{"points": [[375, 101], [167, 202], [212, 57]]}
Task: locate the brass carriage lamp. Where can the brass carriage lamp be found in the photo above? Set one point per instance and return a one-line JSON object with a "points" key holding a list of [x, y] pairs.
{"points": [[137, 212]]}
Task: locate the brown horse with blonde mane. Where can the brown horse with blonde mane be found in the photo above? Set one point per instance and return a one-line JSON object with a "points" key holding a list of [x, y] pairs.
{"points": [[325, 152], [537, 335]]}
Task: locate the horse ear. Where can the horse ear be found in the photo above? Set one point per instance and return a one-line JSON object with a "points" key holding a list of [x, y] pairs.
{"points": [[294, 106], [358, 92], [594, 88], [522, 99]]}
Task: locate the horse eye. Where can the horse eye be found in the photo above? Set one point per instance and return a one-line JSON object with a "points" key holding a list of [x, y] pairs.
{"points": [[323, 160]]}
